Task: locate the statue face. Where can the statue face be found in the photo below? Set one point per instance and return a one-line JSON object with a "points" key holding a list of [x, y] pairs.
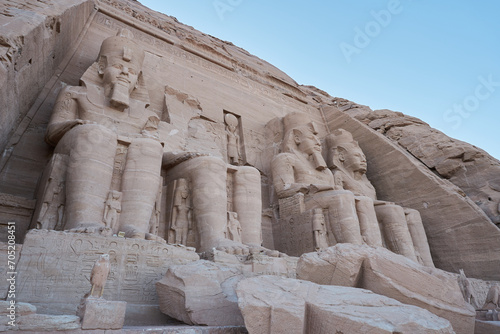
{"points": [[307, 142], [355, 160], [121, 72]]}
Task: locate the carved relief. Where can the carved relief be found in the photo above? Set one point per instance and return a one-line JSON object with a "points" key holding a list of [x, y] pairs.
{"points": [[319, 229], [233, 229], [112, 210], [181, 214], [233, 139]]}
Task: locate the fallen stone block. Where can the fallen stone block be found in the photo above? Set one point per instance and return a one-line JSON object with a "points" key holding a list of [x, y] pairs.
{"points": [[391, 275], [98, 313], [271, 304], [201, 293]]}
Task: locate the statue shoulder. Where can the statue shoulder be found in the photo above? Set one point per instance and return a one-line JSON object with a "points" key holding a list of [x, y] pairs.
{"points": [[284, 159], [72, 92]]}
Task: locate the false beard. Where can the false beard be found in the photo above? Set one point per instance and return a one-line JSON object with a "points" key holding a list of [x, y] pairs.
{"points": [[120, 98], [319, 162]]}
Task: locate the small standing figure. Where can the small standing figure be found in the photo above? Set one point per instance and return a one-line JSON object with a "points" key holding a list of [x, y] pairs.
{"points": [[112, 209], [154, 222], [319, 228], [233, 227], [99, 276], [492, 301], [233, 139], [181, 216], [53, 206], [466, 289]]}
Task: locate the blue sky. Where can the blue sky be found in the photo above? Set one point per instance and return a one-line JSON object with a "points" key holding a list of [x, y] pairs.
{"points": [[435, 60]]}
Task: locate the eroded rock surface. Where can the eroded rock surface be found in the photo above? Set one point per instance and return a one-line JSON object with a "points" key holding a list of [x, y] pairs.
{"points": [[391, 275], [201, 293], [271, 304], [467, 166]]}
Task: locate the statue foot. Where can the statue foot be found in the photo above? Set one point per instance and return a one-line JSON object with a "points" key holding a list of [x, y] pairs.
{"points": [[232, 247], [90, 230], [150, 236], [262, 250], [134, 234]]}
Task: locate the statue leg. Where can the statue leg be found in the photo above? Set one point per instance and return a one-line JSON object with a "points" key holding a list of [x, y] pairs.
{"points": [[91, 149], [140, 183], [368, 221], [247, 203], [418, 236], [209, 197], [397, 236], [341, 214]]}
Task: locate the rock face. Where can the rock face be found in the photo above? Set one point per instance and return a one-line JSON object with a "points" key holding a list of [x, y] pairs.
{"points": [[201, 293], [468, 167], [271, 304], [391, 275]]}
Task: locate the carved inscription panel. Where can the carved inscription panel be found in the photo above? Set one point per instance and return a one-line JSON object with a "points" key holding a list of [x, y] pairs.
{"points": [[55, 267]]}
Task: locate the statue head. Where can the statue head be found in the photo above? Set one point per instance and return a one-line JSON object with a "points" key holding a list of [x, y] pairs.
{"points": [[300, 135], [231, 121], [120, 64], [344, 152]]}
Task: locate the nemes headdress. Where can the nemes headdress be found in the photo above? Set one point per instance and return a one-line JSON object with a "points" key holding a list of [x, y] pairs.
{"points": [[295, 121], [122, 45]]}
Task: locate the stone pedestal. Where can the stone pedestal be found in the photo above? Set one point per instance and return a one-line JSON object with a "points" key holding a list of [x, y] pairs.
{"points": [[98, 313]]}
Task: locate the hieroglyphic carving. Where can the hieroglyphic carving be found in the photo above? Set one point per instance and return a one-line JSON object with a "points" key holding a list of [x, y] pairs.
{"points": [[135, 265]]}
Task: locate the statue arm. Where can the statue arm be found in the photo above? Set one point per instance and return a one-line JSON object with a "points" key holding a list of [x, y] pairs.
{"points": [[284, 177], [64, 117]]}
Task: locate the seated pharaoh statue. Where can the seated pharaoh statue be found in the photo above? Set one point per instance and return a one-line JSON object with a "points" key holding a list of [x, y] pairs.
{"points": [[107, 137], [402, 230], [105, 174], [345, 195]]}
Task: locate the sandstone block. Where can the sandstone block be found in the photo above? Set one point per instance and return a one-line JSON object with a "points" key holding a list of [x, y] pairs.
{"points": [[97, 313], [201, 293], [391, 275], [46, 322], [271, 304]]}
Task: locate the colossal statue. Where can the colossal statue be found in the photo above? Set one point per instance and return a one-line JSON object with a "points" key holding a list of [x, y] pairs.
{"points": [[402, 228], [107, 141], [343, 192], [301, 168], [93, 122]]}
